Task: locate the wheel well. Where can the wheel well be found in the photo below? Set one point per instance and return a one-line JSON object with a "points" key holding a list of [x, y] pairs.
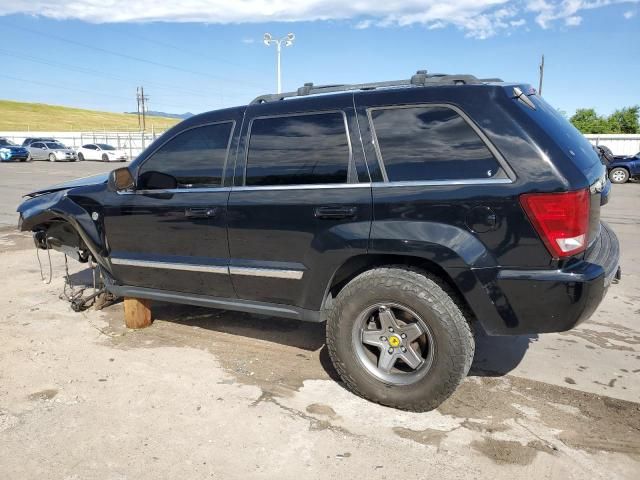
{"points": [[361, 263]]}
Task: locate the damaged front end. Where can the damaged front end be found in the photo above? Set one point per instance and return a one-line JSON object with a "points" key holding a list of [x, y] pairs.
{"points": [[68, 218]]}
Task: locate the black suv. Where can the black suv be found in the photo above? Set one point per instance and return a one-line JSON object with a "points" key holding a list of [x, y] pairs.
{"points": [[402, 213]]}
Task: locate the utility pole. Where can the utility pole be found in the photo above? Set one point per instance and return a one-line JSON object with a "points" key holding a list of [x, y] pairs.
{"points": [[143, 99], [541, 75], [138, 106]]}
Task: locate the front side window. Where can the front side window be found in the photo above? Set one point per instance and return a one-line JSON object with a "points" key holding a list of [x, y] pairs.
{"points": [[194, 158], [37, 145], [430, 143], [298, 150]]}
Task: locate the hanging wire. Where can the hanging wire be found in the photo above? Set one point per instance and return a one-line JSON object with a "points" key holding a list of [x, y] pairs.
{"points": [[35, 242]]}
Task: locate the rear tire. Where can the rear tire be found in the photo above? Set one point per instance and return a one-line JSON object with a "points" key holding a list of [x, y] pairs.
{"points": [[80, 157], [52, 157], [619, 175], [420, 303]]}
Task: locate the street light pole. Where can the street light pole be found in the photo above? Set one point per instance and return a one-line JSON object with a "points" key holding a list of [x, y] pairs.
{"points": [[288, 41]]}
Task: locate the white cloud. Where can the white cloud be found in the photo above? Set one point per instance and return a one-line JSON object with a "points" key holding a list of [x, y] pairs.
{"points": [[248, 40], [629, 14], [548, 11], [573, 21], [476, 18]]}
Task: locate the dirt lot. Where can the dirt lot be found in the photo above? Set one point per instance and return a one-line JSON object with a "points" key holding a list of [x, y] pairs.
{"points": [[214, 394]]}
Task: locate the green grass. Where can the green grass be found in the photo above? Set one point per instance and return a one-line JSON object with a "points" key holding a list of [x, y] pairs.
{"points": [[19, 116]]}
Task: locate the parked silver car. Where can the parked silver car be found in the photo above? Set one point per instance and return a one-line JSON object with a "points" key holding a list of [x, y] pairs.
{"points": [[52, 151]]}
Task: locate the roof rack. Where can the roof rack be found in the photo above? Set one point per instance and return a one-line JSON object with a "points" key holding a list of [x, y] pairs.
{"points": [[420, 79]]}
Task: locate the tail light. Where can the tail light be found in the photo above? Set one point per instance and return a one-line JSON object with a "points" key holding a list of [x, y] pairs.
{"points": [[561, 220]]}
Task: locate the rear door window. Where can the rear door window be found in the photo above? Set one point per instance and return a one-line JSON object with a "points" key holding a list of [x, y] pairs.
{"points": [[297, 149], [431, 143]]}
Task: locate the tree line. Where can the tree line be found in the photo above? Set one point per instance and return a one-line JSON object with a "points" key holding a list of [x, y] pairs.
{"points": [[624, 120]]}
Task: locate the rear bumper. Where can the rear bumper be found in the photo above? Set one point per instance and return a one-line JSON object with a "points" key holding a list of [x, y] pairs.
{"points": [[540, 301]]}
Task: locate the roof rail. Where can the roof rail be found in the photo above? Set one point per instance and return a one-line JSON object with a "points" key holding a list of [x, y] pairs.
{"points": [[420, 79]]}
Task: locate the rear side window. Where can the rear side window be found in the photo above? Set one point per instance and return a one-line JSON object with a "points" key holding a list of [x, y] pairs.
{"points": [[195, 158], [563, 133], [431, 143], [298, 150]]}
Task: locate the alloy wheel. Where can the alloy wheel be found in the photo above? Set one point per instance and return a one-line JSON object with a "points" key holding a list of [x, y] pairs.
{"points": [[393, 343]]}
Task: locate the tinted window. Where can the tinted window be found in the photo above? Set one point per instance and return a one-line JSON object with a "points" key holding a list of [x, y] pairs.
{"points": [[54, 146], [298, 150], [37, 145], [104, 146], [431, 143], [194, 159], [563, 132]]}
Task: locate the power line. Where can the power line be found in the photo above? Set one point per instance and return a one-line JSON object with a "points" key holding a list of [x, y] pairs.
{"points": [[63, 87], [184, 50], [89, 71], [124, 55]]}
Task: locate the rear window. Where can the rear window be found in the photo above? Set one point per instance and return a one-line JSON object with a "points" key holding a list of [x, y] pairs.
{"points": [[431, 143], [298, 150], [564, 134]]}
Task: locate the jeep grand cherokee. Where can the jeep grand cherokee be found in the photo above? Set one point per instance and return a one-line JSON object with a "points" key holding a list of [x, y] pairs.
{"points": [[402, 213]]}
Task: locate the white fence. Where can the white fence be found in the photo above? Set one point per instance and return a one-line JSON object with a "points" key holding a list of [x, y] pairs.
{"points": [[131, 142], [620, 144]]}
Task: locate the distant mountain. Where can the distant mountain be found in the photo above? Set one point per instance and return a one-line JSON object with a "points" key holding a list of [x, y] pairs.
{"points": [[155, 113]]}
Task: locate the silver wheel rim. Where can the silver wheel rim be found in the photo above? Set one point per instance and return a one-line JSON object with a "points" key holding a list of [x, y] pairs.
{"points": [[393, 343], [619, 176]]}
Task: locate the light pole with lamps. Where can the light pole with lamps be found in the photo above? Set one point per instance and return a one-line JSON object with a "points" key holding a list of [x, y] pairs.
{"points": [[288, 41]]}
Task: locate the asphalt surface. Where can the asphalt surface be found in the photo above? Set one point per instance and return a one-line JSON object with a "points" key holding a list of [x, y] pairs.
{"points": [[214, 394]]}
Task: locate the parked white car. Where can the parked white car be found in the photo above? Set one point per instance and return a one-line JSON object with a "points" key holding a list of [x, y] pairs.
{"points": [[102, 152]]}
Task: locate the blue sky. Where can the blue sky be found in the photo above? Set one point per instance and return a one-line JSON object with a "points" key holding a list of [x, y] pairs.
{"points": [[90, 56]]}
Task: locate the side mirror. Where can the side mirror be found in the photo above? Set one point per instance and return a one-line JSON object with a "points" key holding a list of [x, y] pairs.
{"points": [[121, 179]]}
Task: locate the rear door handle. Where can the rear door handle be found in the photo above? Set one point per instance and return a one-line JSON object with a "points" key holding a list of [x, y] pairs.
{"points": [[201, 212], [335, 212]]}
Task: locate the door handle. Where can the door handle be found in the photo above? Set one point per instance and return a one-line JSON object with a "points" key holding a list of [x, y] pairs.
{"points": [[201, 212], [335, 212]]}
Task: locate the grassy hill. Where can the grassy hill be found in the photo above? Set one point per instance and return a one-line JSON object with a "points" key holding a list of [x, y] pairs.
{"points": [[19, 116]]}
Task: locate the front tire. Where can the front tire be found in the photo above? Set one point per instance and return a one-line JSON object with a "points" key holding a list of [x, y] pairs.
{"points": [[52, 157], [105, 157], [397, 337], [619, 175]]}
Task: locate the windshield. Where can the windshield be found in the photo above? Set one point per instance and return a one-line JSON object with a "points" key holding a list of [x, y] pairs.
{"points": [[104, 146], [55, 146], [5, 143]]}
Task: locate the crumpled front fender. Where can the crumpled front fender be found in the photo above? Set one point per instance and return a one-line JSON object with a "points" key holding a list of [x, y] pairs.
{"points": [[38, 212]]}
